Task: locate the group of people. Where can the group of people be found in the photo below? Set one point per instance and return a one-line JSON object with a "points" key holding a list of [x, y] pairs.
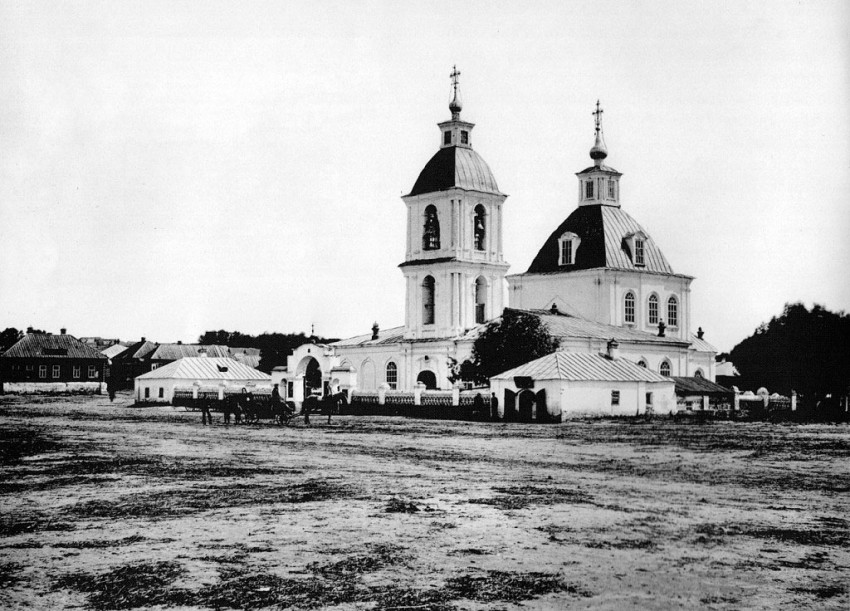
{"points": [[243, 407]]}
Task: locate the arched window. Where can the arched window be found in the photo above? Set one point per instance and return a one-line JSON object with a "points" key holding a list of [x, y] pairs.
{"points": [[428, 301], [479, 225], [665, 368], [642, 363], [480, 299], [653, 309], [698, 374], [392, 375], [431, 232], [673, 312], [630, 307]]}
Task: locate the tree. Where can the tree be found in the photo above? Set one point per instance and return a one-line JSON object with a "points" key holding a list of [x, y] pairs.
{"points": [[803, 350], [515, 339], [9, 337], [274, 347]]}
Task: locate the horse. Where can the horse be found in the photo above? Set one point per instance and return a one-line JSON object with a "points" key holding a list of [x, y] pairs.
{"points": [[329, 404]]}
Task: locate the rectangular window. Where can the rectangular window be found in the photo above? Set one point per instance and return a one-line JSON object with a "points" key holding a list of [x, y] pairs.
{"points": [[147, 393], [92, 372], [42, 371], [290, 389], [30, 367], [479, 313], [76, 372], [611, 189], [567, 252], [649, 398], [588, 190], [447, 137], [161, 392], [639, 252], [56, 371], [615, 397], [464, 137]]}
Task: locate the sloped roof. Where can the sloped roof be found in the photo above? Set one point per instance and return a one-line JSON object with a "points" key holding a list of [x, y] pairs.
{"points": [[137, 350], [603, 231], [700, 345], [565, 326], [699, 386], [52, 346], [455, 167], [248, 351], [205, 368], [172, 352], [113, 350], [577, 367], [252, 360]]}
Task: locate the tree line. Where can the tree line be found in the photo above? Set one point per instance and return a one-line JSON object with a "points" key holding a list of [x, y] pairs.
{"points": [[274, 347]]}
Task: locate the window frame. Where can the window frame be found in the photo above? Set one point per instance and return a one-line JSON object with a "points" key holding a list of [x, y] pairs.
{"points": [[431, 228], [429, 298], [56, 373], [42, 372], [612, 191], [640, 253], [391, 368], [652, 309], [615, 398], [629, 307], [588, 189], [92, 373], [464, 136], [665, 364], [672, 311], [447, 137], [76, 372], [479, 236]]}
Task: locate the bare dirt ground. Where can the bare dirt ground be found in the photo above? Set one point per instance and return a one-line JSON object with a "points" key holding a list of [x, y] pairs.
{"points": [[109, 507]]}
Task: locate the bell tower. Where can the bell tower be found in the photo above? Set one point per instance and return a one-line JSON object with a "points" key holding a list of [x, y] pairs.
{"points": [[454, 267]]}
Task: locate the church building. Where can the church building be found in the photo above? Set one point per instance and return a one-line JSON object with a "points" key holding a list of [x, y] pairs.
{"points": [[598, 277]]}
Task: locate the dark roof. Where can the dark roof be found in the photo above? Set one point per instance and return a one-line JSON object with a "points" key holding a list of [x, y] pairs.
{"points": [[172, 352], [699, 386], [601, 168], [603, 231], [137, 350], [455, 167], [52, 346]]}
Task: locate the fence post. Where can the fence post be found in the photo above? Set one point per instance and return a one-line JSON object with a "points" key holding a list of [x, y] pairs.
{"points": [[382, 393], [417, 393], [793, 400], [456, 394], [737, 398], [221, 391], [195, 385]]}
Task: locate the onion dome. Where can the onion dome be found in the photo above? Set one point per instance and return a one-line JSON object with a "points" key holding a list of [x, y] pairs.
{"points": [[599, 150]]}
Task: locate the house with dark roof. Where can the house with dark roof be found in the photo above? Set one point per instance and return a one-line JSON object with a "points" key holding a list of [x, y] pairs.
{"points": [[45, 362]]}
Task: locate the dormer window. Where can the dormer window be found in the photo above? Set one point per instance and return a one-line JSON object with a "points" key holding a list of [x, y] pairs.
{"points": [[588, 189], [447, 137], [567, 246], [636, 243], [464, 136]]}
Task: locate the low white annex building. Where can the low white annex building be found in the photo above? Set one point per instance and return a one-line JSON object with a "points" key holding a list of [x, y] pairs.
{"points": [[565, 385], [598, 276], [158, 386]]}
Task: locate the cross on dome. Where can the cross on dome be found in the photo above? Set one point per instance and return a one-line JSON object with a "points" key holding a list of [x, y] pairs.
{"points": [[455, 105], [599, 150]]}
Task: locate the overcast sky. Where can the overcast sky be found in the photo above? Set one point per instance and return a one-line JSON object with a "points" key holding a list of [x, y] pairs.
{"points": [[172, 167]]}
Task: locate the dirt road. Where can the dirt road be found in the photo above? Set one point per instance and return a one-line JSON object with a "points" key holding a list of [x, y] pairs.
{"points": [[105, 507]]}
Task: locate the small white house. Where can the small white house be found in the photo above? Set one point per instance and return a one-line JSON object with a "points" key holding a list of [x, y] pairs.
{"points": [[565, 385], [157, 386]]}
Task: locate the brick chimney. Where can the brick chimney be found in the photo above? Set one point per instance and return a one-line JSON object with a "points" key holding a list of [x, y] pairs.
{"points": [[62, 331]]}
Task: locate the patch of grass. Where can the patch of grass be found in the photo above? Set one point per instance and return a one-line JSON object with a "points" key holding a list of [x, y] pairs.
{"points": [[101, 543], [140, 584], [822, 591], [647, 544], [397, 505], [379, 557], [503, 586], [816, 535], [181, 502], [520, 497], [10, 573], [18, 524], [17, 443]]}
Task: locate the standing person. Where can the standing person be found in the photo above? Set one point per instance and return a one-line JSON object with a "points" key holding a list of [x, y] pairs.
{"points": [[206, 416], [230, 407], [307, 406], [276, 405]]}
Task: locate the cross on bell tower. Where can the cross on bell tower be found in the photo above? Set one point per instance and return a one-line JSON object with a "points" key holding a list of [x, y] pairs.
{"points": [[599, 151], [598, 114], [455, 105]]}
